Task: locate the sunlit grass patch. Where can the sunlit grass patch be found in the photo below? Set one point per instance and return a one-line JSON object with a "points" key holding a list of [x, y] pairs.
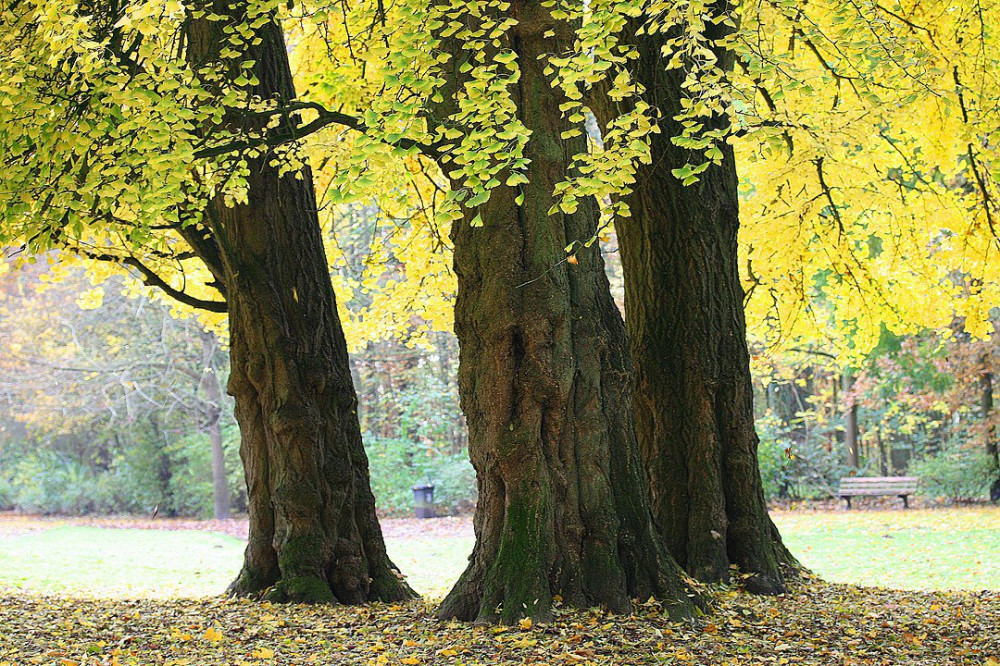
{"points": [[102, 562], [933, 549], [916, 549], [132, 563]]}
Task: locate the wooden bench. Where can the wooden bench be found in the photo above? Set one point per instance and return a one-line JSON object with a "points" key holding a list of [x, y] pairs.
{"points": [[875, 486]]}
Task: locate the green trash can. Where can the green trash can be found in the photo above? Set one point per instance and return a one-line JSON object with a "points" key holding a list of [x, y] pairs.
{"points": [[423, 501]]}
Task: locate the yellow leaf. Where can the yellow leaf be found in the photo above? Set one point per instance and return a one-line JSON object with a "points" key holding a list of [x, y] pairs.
{"points": [[69, 662], [410, 661], [448, 652], [212, 635], [264, 653], [525, 623]]}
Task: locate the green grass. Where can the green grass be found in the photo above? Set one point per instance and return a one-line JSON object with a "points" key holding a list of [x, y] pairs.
{"points": [[937, 549], [99, 562], [92, 561], [928, 549], [431, 565]]}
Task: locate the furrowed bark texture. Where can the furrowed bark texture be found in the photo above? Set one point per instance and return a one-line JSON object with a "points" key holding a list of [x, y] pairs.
{"points": [[687, 333], [545, 381], [314, 536]]}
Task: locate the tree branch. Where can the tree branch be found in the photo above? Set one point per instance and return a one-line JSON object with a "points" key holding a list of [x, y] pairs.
{"points": [[151, 279], [325, 118]]}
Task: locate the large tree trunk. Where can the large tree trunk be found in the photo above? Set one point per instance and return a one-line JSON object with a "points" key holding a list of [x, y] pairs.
{"points": [[544, 378], [687, 332], [314, 536]]}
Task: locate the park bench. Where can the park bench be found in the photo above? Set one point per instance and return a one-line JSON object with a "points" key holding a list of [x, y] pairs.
{"points": [[874, 486]]}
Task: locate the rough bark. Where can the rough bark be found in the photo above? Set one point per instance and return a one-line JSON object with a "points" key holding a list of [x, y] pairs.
{"points": [[545, 384], [687, 332], [313, 536]]}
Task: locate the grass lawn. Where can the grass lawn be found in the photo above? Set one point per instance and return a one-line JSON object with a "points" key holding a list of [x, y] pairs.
{"points": [[917, 549], [94, 561], [99, 562], [928, 549], [431, 565]]}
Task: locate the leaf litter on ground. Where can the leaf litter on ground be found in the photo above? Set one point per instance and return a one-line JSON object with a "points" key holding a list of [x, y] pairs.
{"points": [[816, 623]]}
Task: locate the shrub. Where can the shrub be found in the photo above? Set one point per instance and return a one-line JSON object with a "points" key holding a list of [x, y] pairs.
{"points": [[190, 490], [954, 473], [47, 482], [396, 465], [796, 462]]}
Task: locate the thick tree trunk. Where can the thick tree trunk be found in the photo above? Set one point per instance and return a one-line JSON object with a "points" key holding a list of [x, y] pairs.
{"points": [[314, 536], [686, 327], [544, 378]]}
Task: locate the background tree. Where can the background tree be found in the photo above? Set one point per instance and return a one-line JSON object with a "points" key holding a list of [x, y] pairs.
{"points": [[111, 387], [250, 223]]}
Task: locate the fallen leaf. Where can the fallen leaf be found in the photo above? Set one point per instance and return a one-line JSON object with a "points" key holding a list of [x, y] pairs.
{"points": [[212, 635]]}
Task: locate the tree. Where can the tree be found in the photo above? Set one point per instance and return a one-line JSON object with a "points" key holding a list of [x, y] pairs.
{"points": [[213, 392], [111, 383], [545, 374], [251, 223], [684, 311], [989, 433], [823, 96], [855, 217]]}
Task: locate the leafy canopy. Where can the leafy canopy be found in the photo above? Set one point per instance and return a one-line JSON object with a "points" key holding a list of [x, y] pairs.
{"points": [[864, 134]]}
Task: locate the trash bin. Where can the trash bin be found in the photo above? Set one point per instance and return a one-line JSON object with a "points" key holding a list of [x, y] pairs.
{"points": [[423, 501]]}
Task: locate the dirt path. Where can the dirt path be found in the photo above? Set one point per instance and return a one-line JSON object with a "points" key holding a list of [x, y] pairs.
{"points": [[15, 524]]}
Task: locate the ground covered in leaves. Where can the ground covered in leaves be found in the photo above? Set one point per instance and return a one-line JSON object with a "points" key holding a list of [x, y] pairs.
{"points": [[817, 623]]}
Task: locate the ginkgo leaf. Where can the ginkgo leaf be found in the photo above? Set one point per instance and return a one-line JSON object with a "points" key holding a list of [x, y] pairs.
{"points": [[212, 635]]}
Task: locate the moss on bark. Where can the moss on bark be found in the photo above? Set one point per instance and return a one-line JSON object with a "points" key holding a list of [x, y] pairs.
{"points": [[687, 332], [545, 382], [313, 532]]}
